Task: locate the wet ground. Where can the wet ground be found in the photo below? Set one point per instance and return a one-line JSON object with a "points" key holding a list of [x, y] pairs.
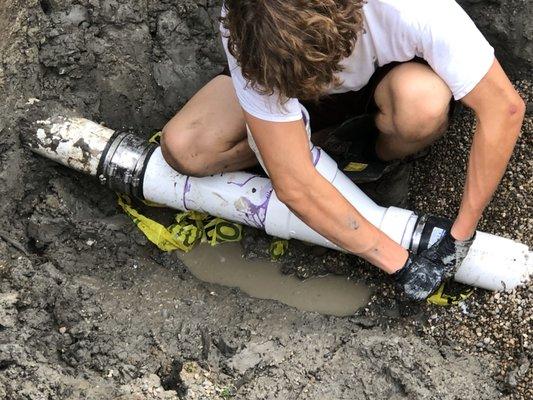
{"points": [[90, 310], [224, 265]]}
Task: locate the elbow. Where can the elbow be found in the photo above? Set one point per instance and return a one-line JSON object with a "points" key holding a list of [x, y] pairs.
{"points": [[516, 110], [509, 116], [289, 191], [295, 187]]}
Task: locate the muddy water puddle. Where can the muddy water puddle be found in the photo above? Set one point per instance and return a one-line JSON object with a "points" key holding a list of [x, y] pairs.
{"points": [[224, 265]]}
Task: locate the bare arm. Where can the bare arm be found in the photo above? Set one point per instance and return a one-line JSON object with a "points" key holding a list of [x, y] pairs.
{"points": [[499, 113], [285, 152]]}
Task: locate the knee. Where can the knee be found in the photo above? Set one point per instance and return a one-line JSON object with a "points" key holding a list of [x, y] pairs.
{"points": [[181, 150], [422, 122], [421, 106]]}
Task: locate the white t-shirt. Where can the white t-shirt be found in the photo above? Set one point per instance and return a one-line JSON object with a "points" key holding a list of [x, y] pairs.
{"points": [[438, 31]]}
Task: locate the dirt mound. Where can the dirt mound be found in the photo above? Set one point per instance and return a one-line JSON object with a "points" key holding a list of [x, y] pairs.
{"points": [[507, 26], [88, 309]]}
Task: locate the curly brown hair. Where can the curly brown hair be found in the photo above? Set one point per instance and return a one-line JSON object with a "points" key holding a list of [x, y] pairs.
{"points": [[292, 47]]}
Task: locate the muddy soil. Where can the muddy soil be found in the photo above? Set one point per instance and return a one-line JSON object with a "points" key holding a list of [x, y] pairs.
{"points": [[90, 310]]}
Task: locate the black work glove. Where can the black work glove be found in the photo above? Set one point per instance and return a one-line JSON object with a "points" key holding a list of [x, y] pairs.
{"points": [[423, 273], [450, 252]]}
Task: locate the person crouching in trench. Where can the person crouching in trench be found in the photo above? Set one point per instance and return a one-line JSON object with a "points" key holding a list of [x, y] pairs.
{"points": [[388, 72]]}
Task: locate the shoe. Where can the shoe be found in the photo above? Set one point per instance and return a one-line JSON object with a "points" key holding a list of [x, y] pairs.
{"points": [[392, 189], [352, 144]]}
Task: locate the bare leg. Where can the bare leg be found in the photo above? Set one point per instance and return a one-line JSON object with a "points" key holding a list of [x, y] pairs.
{"points": [[413, 102], [208, 135]]}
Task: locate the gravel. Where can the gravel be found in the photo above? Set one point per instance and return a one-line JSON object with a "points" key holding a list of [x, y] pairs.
{"points": [[499, 324]]}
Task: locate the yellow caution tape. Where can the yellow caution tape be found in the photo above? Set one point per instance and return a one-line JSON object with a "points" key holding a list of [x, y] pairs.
{"points": [[355, 167], [155, 138], [190, 228], [154, 231], [278, 247], [450, 293], [219, 230]]}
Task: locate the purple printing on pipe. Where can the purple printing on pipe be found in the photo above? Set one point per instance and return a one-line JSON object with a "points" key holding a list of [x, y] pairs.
{"points": [[243, 183], [186, 189], [316, 154], [255, 214]]}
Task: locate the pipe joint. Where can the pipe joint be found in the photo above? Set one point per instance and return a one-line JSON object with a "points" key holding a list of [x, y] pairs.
{"points": [[123, 164]]}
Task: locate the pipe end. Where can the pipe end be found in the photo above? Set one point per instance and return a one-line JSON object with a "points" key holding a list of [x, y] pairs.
{"points": [[57, 133], [38, 115]]}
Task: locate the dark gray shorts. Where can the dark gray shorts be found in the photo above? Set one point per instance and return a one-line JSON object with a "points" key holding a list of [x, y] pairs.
{"points": [[334, 109]]}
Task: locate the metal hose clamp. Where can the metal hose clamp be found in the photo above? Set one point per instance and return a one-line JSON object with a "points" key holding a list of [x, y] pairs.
{"points": [[417, 234], [123, 164]]}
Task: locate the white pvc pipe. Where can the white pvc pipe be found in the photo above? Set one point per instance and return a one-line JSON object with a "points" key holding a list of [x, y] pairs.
{"points": [[493, 262], [250, 199], [74, 142]]}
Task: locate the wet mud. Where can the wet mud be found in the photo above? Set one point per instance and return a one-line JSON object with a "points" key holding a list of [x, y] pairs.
{"points": [[224, 265], [90, 310]]}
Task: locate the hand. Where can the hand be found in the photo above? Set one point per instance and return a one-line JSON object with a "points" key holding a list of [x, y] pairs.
{"points": [[419, 277], [449, 252], [422, 274]]}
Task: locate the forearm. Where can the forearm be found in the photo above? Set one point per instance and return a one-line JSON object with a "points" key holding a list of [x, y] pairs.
{"points": [[321, 206], [284, 148], [492, 146]]}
